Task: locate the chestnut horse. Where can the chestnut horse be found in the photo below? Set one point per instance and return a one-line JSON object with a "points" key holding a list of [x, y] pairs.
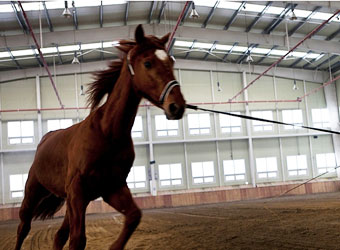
{"points": [[92, 159]]}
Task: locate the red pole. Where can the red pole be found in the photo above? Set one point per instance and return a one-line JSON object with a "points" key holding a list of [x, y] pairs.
{"points": [[292, 49], [41, 55], [318, 88], [176, 26]]}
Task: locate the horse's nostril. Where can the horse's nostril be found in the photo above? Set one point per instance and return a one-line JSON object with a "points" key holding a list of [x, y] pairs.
{"points": [[173, 108]]}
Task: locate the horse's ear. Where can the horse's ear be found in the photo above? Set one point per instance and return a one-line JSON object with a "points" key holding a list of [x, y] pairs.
{"points": [[139, 34], [165, 38]]}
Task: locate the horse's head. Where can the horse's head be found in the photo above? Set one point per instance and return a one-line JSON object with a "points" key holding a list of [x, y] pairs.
{"points": [[151, 68]]}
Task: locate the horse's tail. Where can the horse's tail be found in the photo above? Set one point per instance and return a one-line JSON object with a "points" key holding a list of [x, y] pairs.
{"points": [[48, 206]]}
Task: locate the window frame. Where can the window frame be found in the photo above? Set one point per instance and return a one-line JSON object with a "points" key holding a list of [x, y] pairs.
{"points": [[203, 176], [235, 174], [267, 172], [21, 138], [293, 119], [171, 179], [59, 120], [298, 168], [200, 128], [167, 130], [134, 182], [330, 169], [21, 190], [134, 132], [323, 122], [229, 123], [262, 125]]}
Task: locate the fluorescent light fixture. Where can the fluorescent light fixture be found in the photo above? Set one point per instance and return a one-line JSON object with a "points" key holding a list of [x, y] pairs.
{"points": [[240, 49], [223, 47], [204, 3], [203, 45], [260, 51], [274, 10], [68, 48], [4, 54], [229, 5], [91, 46], [49, 50], [183, 44], [23, 52], [254, 7]]}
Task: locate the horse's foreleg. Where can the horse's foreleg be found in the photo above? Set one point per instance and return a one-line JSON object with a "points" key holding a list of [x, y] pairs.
{"points": [[76, 208], [123, 202], [62, 234]]}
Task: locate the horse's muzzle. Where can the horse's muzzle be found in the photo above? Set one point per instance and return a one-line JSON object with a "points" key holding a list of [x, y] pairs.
{"points": [[175, 111]]}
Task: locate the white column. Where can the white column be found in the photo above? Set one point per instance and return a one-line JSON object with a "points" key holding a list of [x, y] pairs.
{"points": [[153, 184], [332, 106], [77, 94], [250, 140], [37, 87], [2, 163]]}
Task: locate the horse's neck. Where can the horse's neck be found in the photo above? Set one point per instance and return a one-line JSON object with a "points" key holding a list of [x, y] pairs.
{"points": [[121, 107]]}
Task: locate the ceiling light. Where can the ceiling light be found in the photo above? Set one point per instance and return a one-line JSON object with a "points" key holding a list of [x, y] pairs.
{"points": [[82, 90], [66, 13], [249, 59], [295, 87], [194, 13], [75, 59], [293, 17]]}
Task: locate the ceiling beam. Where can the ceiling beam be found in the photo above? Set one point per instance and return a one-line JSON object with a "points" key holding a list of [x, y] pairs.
{"points": [[266, 55], [335, 67], [101, 52], [75, 16], [210, 15], [229, 52], [161, 11], [152, 9], [101, 14], [279, 18], [186, 13], [233, 17], [88, 67], [210, 50], [171, 46], [81, 57], [259, 15], [20, 19], [13, 58], [246, 53], [334, 34], [36, 56], [59, 56], [183, 33], [191, 47], [47, 15], [297, 61], [126, 12], [325, 61], [308, 64], [303, 21]]}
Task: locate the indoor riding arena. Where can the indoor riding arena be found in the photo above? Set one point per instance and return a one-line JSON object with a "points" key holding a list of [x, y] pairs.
{"points": [[231, 109]]}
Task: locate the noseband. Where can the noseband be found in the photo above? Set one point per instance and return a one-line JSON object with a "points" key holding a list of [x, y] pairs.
{"points": [[167, 89]]}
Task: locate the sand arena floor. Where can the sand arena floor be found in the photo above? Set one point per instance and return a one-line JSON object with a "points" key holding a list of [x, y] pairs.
{"points": [[299, 222]]}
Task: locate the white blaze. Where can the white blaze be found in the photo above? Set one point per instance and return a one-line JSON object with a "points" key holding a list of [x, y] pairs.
{"points": [[161, 54]]}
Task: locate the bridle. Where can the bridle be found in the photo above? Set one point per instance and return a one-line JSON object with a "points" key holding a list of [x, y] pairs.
{"points": [[166, 90]]}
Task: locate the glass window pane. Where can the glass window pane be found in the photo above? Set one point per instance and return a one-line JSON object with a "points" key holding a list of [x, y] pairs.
{"points": [[176, 171], [13, 129], [165, 183], [137, 125], [164, 172], [208, 168], [16, 182], [130, 177], [14, 141], [162, 133], [140, 185], [17, 194], [139, 172], [272, 175], [65, 123], [27, 140], [230, 178], [205, 131], [261, 165], [193, 121], [302, 161], [176, 182], [208, 179], [240, 177], [197, 169], [224, 120], [321, 160], [204, 120], [198, 180], [228, 167], [27, 128], [239, 166], [330, 160], [271, 164], [173, 132], [291, 162], [172, 124], [160, 121]]}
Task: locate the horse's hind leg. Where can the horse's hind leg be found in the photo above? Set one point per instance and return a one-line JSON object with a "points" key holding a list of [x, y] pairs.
{"points": [[123, 202], [62, 234], [34, 192]]}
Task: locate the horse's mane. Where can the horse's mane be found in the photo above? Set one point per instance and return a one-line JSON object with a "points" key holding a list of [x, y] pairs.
{"points": [[105, 80]]}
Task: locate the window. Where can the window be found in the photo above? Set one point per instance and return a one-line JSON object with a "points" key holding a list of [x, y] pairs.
{"points": [[320, 118], [203, 172], [58, 124], [137, 128], [17, 185], [297, 165], [262, 126], [170, 174], [234, 170], [230, 124], [293, 116], [199, 124], [266, 167], [165, 127], [326, 162], [20, 132], [136, 177]]}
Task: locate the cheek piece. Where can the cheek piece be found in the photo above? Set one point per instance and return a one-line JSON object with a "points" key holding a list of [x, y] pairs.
{"points": [[167, 89]]}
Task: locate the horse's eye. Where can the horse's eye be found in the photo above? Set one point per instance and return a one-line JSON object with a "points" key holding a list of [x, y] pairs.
{"points": [[147, 64]]}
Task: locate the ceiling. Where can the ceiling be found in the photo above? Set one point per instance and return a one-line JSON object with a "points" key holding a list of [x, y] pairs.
{"points": [[224, 32]]}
